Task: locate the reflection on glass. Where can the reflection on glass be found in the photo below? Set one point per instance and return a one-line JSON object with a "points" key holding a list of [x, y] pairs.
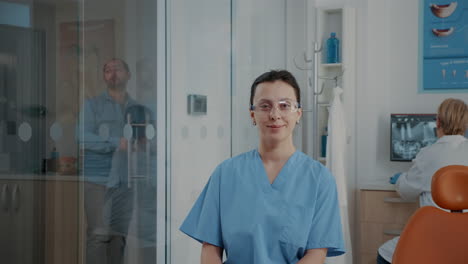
{"points": [[24, 132], [150, 132], [104, 131], [119, 171], [52, 55], [107, 226], [127, 131], [16, 14], [56, 131]]}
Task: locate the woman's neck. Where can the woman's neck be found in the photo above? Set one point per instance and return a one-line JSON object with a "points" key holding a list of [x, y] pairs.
{"points": [[276, 152]]}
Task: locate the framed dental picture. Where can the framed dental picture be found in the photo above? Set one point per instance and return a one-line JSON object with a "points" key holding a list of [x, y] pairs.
{"points": [[443, 57]]}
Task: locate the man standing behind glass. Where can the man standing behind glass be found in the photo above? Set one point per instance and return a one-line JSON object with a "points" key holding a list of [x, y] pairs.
{"points": [[102, 120]]}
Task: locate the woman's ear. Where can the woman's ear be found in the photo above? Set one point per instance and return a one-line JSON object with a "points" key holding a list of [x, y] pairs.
{"points": [[252, 116], [299, 114], [439, 130]]}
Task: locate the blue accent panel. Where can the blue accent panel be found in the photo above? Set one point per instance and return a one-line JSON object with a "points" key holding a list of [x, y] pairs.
{"points": [[443, 49], [445, 73], [15, 14], [445, 37]]}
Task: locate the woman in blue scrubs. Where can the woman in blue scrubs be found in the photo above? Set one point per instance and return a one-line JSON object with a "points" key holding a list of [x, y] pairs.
{"points": [[273, 204]]}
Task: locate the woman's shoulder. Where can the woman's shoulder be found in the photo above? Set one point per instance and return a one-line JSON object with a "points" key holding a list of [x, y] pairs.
{"points": [[444, 145], [235, 167], [239, 159], [311, 173], [309, 167], [307, 161], [245, 155]]}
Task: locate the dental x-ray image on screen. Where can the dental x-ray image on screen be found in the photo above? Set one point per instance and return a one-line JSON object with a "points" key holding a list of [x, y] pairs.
{"points": [[410, 133]]}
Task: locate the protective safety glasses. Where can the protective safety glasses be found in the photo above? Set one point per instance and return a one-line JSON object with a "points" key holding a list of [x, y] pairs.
{"points": [[284, 107]]}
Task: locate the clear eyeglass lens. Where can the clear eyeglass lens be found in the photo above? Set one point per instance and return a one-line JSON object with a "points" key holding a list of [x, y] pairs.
{"points": [[285, 106], [282, 106]]}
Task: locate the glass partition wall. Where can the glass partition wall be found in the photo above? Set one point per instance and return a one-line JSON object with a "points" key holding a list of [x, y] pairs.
{"points": [[80, 131]]}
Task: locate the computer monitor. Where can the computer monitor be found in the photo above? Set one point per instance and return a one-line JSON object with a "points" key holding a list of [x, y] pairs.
{"points": [[410, 133]]}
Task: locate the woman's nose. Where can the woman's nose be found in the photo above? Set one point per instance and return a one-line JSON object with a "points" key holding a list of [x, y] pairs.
{"points": [[275, 113]]}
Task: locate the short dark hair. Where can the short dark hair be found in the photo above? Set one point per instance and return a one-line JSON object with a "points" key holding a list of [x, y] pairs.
{"points": [[276, 75], [117, 59]]}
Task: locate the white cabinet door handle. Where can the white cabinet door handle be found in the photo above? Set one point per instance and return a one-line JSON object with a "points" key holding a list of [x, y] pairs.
{"points": [[392, 232], [397, 200], [4, 197], [15, 197]]}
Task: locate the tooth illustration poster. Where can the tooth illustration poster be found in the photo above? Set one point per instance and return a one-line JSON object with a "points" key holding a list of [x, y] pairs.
{"points": [[445, 45]]}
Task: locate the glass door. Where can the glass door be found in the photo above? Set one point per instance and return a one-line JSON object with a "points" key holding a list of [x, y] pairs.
{"points": [[118, 132], [82, 131]]}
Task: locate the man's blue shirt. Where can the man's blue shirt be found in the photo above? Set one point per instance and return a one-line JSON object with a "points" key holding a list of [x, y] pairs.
{"points": [[100, 128]]}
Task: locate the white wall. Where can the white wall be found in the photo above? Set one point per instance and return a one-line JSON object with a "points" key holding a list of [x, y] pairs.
{"points": [[199, 60], [259, 45], [387, 82], [264, 39], [297, 29]]}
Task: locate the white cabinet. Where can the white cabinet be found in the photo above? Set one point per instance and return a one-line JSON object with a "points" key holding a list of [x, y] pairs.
{"points": [[21, 222]]}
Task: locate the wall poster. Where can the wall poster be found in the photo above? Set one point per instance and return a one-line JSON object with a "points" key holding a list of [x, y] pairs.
{"points": [[444, 58]]}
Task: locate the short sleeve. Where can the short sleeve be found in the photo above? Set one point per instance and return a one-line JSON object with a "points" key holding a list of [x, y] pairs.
{"points": [[203, 221], [326, 231]]}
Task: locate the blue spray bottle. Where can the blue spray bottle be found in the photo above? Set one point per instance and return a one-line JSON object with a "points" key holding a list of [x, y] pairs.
{"points": [[333, 49]]}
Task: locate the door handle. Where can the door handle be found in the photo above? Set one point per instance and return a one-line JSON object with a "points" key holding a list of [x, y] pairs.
{"points": [[4, 197], [15, 197]]}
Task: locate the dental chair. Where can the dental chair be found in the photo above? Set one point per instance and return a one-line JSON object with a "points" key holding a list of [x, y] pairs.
{"points": [[433, 235]]}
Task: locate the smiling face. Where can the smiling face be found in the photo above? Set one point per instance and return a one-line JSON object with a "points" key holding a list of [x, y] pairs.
{"points": [[276, 125]]}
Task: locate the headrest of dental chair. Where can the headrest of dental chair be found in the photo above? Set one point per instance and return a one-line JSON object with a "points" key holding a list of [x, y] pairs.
{"points": [[450, 187]]}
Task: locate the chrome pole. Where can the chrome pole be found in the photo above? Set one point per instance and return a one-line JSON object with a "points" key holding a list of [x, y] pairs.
{"points": [[315, 131]]}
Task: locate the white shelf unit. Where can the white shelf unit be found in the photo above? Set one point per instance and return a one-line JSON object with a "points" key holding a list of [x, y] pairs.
{"points": [[331, 65], [322, 21], [328, 20]]}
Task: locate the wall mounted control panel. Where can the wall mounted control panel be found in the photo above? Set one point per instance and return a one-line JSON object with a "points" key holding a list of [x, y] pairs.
{"points": [[196, 104]]}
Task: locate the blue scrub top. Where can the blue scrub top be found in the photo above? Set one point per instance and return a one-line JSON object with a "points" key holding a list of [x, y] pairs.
{"points": [[258, 222]]}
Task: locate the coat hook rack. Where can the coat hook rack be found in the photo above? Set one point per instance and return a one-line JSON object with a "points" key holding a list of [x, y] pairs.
{"points": [[335, 78], [306, 59]]}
